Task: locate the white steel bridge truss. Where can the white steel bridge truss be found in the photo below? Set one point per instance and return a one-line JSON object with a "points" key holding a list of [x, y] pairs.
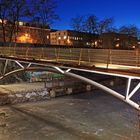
{"points": [[31, 66]]}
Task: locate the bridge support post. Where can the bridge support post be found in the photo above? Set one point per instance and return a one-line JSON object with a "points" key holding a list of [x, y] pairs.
{"points": [[128, 88], [5, 66]]}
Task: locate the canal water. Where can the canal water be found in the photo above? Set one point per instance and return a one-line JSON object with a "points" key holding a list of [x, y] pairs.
{"points": [[87, 116]]}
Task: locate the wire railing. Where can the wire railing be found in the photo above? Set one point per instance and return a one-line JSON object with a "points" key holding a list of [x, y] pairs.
{"points": [[79, 56]]}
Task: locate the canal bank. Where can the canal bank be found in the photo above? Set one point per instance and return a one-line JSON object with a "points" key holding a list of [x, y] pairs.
{"points": [[37, 91], [32, 92]]}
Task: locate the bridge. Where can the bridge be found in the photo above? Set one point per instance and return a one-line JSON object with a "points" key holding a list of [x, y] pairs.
{"points": [[117, 63]]}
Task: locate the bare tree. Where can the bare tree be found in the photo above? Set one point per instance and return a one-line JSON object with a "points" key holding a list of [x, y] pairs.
{"points": [[77, 23], [131, 30], [90, 24], [44, 11], [11, 12], [44, 14], [4, 12], [105, 25], [85, 23], [18, 10]]}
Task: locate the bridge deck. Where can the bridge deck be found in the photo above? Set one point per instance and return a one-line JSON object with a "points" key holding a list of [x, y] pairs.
{"points": [[125, 62]]}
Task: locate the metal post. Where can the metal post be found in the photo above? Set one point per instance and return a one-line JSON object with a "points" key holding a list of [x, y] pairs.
{"points": [[128, 88], [5, 66], [88, 56], [139, 118], [137, 57], [56, 55], [80, 57], [108, 58]]}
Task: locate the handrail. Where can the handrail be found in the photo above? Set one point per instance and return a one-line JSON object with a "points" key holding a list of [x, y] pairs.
{"points": [[76, 55]]}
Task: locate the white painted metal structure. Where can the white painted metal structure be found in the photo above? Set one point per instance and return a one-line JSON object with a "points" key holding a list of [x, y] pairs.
{"points": [[30, 65]]}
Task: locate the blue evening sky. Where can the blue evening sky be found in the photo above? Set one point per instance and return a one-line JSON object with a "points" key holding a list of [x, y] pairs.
{"points": [[124, 12]]}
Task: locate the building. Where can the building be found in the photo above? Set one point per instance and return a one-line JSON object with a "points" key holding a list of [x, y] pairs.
{"points": [[118, 41], [28, 33], [72, 38], [36, 35], [139, 43]]}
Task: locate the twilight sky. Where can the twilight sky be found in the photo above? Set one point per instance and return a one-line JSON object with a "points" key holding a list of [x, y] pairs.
{"points": [[124, 12]]}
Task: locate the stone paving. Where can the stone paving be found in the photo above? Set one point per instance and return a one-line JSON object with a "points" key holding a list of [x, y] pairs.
{"points": [[25, 92], [31, 92]]}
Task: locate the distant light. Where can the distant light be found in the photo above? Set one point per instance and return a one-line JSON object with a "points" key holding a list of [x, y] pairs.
{"points": [[117, 45], [133, 47], [47, 36], [21, 23], [87, 43], [4, 21], [65, 37], [25, 38], [26, 35], [59, 38], [96, 43], [68, 40]]}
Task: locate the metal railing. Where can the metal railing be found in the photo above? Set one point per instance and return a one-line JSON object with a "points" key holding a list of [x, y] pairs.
{"points": [[79, 56]]}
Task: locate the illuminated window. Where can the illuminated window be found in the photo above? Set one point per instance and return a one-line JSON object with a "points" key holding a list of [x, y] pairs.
{"points": [[65, 37], [26, 35], [4, 21], [96, 43], [47, 36], [21, 23], [133, 47], [117, 39], [25, 38], [117, 45], [59, 38], [87, 43]]}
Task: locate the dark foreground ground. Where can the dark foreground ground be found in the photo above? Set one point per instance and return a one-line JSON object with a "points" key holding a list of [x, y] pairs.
{"points": [[88, 116]]}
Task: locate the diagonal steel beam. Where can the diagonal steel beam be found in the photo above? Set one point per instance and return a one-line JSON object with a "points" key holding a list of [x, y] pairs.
{"points": [[5, 66], [134, 91], [68, 70], [128, 87], [60, 70], [29, 65], [17, 62]]}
